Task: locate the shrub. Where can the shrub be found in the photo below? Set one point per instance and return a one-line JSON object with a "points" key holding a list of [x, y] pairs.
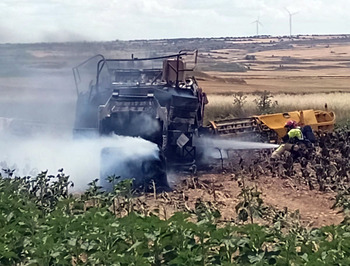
{"points": [[264, 103]]}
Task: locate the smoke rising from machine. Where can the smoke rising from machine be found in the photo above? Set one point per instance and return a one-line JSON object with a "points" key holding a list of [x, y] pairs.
{"points": [[142, 125], [80, 158]]}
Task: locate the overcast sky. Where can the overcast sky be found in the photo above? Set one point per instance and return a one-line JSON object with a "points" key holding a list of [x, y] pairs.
{"points": [[105, 20]]}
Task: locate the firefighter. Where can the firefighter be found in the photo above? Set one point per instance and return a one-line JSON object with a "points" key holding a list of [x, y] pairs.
{"points": [[290, 140]]}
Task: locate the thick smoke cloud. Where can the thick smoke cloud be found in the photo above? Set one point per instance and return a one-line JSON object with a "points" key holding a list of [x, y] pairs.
{"points": [[80, 158]]}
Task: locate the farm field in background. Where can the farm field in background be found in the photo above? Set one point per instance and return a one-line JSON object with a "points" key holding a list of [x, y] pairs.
{"points": [[298, 76], [294, 68]]}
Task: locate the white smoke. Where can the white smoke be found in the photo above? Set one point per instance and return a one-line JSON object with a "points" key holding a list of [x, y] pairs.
{"points": [[145, 124], [80, 158]]}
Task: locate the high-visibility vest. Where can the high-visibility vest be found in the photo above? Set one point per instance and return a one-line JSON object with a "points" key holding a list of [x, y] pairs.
{"points": [[295, 133]]}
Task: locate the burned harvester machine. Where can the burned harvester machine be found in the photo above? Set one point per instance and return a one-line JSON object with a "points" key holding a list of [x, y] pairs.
{"points": [[152, 98]]}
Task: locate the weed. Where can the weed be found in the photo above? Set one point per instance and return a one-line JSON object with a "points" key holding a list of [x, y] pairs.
{"points": [[264, 103], [250, 205], [239, 99]]}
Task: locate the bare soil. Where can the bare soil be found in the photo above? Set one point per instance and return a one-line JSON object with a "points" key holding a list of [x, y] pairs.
{"points": [[222, 191]]}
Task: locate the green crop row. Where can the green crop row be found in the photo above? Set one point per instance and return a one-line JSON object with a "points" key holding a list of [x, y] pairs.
{"points": [[42, 224]]}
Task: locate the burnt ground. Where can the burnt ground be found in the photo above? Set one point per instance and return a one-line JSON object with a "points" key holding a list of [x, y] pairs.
{"points": [[305, 184], [222, 191]]}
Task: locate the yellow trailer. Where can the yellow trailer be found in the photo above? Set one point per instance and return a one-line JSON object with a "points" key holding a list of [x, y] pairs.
{"points": [[270, 127]]}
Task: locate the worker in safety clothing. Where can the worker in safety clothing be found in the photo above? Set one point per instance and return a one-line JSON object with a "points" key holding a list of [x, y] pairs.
{"points": [[290, 140]]}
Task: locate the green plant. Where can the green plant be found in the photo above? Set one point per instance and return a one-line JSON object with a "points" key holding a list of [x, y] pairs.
{"points": [[342, 200], [113, 196], [29, 236], [250, 205], [239, 100], [264, 103], [94, 193], [123, 192]]}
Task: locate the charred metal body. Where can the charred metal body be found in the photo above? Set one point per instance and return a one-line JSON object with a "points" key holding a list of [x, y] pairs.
{"points": [[152, 98]]}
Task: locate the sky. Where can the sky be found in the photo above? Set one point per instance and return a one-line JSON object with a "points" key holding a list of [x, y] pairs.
{"points": [[27, 21]]}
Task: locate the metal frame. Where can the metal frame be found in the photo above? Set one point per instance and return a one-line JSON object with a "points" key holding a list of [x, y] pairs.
{"points": [[104, 62]]}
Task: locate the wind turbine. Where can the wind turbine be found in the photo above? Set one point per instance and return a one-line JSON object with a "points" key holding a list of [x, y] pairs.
{"points": [[257, 22], [290, 21]]}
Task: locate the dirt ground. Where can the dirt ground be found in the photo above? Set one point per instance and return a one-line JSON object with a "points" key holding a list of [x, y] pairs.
{"points": [[222, 191]]}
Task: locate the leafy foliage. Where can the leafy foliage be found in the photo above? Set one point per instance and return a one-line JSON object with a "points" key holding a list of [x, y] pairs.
{"points": [[41, 224], [250, 205]]}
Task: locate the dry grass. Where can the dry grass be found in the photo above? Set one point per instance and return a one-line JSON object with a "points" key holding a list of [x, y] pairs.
{"points": [[221, 106], [300, 75]]}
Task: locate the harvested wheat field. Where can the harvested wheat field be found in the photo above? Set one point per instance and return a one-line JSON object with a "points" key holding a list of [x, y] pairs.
{"points": [[309, 67]]}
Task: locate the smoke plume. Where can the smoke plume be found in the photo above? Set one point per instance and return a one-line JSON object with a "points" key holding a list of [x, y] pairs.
{"points": [[80, 158]]}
